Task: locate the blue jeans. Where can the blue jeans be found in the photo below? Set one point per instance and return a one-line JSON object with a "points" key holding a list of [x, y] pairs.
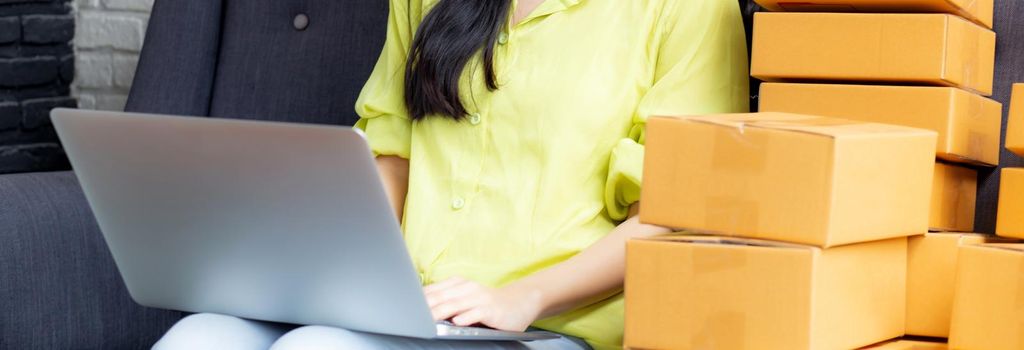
{"points": [[220, 332]]}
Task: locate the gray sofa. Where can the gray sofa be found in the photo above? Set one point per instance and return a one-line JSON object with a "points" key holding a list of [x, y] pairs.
{"points": [[59, 288]]}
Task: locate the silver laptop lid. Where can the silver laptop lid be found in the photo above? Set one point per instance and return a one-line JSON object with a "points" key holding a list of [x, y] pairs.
{"points": [[268, 221]]}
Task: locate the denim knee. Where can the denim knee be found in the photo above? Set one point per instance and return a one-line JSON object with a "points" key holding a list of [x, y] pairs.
{"points": [[325, 338], [220, 332]]}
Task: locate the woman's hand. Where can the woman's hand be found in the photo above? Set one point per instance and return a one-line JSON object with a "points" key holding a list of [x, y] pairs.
{"points": [[466, 303]]}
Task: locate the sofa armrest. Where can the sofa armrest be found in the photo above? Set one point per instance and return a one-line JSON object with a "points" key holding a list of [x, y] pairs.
{"points": [[59, 287]]}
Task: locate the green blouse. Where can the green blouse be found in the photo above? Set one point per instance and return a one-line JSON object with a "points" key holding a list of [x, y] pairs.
{"points": [[550, 162]]}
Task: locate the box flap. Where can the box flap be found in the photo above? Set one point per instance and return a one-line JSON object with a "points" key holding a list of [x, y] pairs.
{"points": [[823, 126], [1015, 247], [696, 238]]}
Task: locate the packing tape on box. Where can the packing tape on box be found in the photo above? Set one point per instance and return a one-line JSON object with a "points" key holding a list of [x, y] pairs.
{"points": [[976, 146], [1019, 305], [778, 121], [704, 261], [709, 335], [734, 152], [976, 141], [970, 8], [971, 56], [729, 256], [1020, 296]]}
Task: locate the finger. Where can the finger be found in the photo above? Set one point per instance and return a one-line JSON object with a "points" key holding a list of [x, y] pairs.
{"points": [[448, 283], [456, 292], [470, 317], [450, 309]]}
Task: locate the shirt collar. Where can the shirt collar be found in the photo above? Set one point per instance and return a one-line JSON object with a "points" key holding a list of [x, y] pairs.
{"points": [[549, 7]]}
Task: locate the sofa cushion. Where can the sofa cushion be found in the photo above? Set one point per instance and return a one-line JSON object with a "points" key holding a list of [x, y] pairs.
{"points": [[59, 288], [269, 69]]}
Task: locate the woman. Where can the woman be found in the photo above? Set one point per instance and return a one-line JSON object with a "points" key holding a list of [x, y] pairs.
{"points": [[509, 134]]}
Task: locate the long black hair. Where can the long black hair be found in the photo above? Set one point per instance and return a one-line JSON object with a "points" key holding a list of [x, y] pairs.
{"points": [[449, 36]]}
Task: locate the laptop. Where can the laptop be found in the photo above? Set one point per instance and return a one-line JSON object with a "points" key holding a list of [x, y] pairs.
{"points": [[261, 220]]}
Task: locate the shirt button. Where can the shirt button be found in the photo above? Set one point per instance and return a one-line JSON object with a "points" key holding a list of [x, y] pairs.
{"points": [[300, 22], [503, 38], [458, 203], [475, 119]]}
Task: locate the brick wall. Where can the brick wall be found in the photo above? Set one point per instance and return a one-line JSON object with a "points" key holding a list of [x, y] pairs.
{"points": [[110, 34], [36, 69]]}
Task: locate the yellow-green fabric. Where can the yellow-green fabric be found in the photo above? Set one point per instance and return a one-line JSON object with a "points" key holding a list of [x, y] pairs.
{"points": [[550, 162]]}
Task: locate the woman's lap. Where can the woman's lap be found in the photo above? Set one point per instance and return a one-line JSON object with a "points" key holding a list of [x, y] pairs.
{"points": [[211, 331]]}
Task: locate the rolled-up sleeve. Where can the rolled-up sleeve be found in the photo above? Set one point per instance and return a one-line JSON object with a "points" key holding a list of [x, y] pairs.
{"points": [[381, 104], [701, 68]]}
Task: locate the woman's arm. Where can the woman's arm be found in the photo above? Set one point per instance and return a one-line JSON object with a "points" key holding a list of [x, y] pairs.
{"points": [[594, 274], [394, 172]]}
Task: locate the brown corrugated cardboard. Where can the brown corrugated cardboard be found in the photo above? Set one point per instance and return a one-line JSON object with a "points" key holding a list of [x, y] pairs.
{"points": [[905, 344], [969, 125], [988, 305], [1015, 121], [787, 177], [954, 195], [931, 276], [734, 293], [934, 49], [1010, 220], [979, 11]]}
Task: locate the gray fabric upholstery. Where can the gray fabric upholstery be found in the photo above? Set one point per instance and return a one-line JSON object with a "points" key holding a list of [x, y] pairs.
{"points": [[1009, 69], [245, 59], [59, 288], [178, 62], [269, 70]]}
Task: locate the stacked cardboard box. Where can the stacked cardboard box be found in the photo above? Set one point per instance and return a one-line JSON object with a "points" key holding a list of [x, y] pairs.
{"points": [[952, 57], [930, 69], [988, 305], [931, 275], [977, 11], [968, 127], [810, 216], [1010, 220], [804, 218]]}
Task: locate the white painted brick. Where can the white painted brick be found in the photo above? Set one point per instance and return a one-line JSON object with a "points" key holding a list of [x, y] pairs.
{"points": [[87, 4], [94, 69], [116, 30], [86, 101], [111, 101], [124, 69], [131, 5]]}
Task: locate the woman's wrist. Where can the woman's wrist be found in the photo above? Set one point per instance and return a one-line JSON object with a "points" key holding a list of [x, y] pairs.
{"points": [[533, 295]]}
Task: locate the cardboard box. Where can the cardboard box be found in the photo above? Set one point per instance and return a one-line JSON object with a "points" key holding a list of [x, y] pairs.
{"points": [[988, 305], [933, 49], [905, 344], [954, 196], [1015, 121], [685, 292], [1010, 217], [979, 11], [931, 277], [787, 177], [969, 125]]}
